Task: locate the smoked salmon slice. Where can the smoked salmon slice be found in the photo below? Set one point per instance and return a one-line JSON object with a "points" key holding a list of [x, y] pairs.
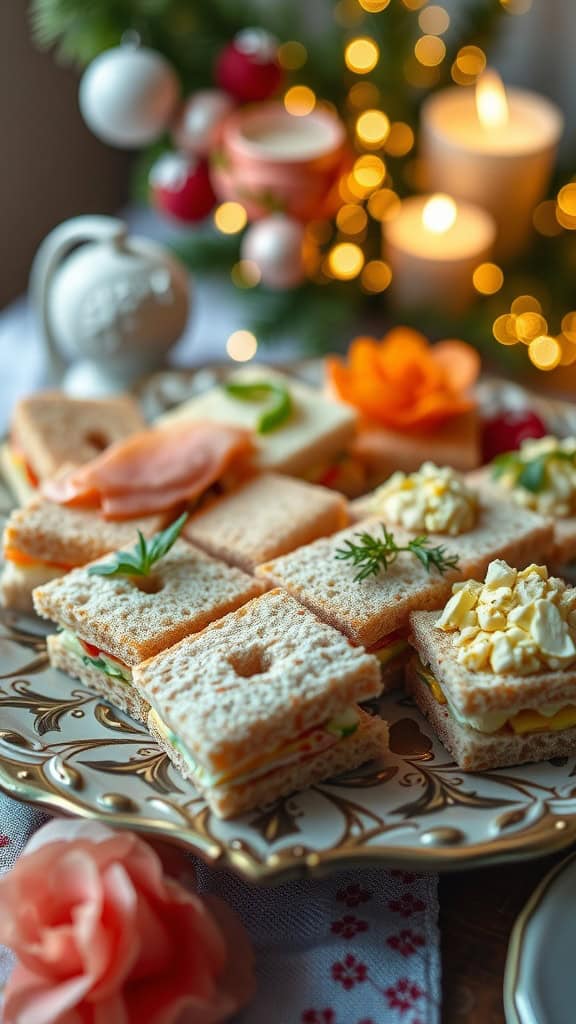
{"points": [[154, 470]]}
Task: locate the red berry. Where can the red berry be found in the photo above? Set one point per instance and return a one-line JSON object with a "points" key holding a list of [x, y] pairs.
{"points": [[506, 431], [247, 67], [181, 187]]}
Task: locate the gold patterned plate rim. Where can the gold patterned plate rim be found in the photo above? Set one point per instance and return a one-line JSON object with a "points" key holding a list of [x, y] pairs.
{"points": [[516, 946], [65, 750]]}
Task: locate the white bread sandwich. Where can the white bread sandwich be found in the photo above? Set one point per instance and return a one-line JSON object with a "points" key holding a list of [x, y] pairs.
{"points": [[267, 517], [117, 612], [495, 671], [540, 477], [297, 430], [50, 430], [43, 541], [365, 581], [262, 703], [441, 503]]}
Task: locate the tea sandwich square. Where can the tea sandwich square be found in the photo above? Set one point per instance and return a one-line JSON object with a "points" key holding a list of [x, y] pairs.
{"points": [[441, 503], [262, 703], [541, 477], [265, 518], [110, 623], [360, 582], [43, 541], [297, 429], [50, 430], [495, 671]]}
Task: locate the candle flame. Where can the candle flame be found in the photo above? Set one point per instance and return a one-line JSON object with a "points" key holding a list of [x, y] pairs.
{"points": [[439, 213], [491, 100]]}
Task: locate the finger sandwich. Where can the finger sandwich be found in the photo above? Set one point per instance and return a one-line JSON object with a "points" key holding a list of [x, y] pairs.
{"points": [[50, 430], [267, 517], [443, 504], [297, 429], [495, 670], [262, 703], [539, 477], [110, 623], [372, 612], [43, 541]]}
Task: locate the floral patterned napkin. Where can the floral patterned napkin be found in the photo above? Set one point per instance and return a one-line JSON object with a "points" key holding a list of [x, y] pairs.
{"points": [[359, 947]]}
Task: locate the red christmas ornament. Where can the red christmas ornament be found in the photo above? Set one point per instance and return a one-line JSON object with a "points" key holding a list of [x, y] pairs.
{"points": [[506, 431], [248, 66], [181, 187]]}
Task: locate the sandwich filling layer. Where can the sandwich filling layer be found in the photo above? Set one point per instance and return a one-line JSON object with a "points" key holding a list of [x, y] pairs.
{"points": [[308, 744], [550, 717], [95, 658], [390, 648], [27, 563], [18, 464]]}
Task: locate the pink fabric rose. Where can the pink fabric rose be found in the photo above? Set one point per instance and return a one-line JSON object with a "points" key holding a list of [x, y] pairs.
{"points": [[102, 936]]}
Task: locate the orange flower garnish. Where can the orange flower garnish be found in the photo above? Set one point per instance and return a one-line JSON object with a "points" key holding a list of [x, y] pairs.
{"points": [[405, 383]]}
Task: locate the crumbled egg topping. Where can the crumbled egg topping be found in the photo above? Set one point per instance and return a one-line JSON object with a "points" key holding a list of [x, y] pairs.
{"points": [[557, 497], [434, 499], [518, 622]]}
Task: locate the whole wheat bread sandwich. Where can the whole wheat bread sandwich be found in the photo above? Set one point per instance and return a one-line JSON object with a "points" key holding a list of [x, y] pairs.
{"points": [[297, 429], [540, 477], [262, 703], [358, 582], [267, 517], [123, 609], [50, 430], [441, 503], [43, 541], [495, 671]]}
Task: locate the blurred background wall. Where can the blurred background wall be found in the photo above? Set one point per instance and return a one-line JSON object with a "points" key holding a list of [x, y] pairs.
{"points": [[51, 166]]}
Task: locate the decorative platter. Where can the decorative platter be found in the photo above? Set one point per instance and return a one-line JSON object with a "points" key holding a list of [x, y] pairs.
{"points": [[64, 749]]}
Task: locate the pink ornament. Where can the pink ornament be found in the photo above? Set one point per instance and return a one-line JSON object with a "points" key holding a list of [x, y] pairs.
{"points": [[198, 126], [275, 245], [181, 187], [248, 67]]}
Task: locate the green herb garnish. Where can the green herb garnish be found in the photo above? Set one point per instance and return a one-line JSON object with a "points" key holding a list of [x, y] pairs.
{"points": [[528, 473], [374, 554], [278, 411], [144, 555]]}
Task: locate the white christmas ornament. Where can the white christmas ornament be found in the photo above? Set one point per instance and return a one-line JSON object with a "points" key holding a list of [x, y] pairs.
{"points": [[128, 96], [115, 303], [196, 131], [275, 245]]}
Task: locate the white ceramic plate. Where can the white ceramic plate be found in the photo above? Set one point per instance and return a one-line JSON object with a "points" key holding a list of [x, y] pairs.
{"points": [[540, 980]]}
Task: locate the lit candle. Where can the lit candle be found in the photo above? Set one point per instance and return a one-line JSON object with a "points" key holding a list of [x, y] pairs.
{"points": [[492, 147], [433, 246]]}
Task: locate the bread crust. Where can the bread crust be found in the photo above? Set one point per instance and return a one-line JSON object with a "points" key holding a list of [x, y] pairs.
{"points": [[369, 741], [185, 591], [474, 693], [54, 429], [476, 751], [55, 533], [121, 695], [265, 518]]}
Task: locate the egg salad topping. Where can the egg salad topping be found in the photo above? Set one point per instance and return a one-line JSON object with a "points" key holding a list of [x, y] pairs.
{"points": [[434, 499], [515, 622], [541, 475]]}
